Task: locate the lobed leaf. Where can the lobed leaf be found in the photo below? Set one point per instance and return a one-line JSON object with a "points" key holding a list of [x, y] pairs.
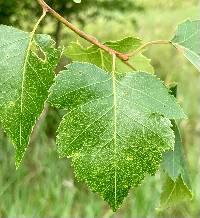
{"points": [[102, 59], [26, 68], [187, 40], [116, 129]]}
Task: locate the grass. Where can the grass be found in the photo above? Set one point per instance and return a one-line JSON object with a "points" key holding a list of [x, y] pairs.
{"points": [[45, 186]]}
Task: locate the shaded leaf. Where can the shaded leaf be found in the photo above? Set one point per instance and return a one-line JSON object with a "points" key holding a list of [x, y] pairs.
{"points": [[26, 75], [102, 59], [187, 40], [174, 192], [176, 187], [174, 161], [117, 127]]}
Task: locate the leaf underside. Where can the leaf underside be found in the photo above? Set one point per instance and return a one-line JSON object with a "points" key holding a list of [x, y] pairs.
{"points": [[102, 59], [116, 129], [187, 39], [26, 70]]}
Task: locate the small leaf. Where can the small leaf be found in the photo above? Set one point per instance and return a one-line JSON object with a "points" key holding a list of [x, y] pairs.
{"points": [[26, 74], [95, 55], [174, 161], [176, 187], [142, 63], [187, 41], [174, 192], [117, 127]]}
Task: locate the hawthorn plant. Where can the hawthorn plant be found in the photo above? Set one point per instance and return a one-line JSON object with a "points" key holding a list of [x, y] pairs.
{"points": [[121, 119]]}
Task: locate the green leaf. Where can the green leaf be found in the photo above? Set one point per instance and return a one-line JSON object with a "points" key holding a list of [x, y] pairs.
{"points": [[26, 74], [174, 192], [95, 55], [116, 129], [187, 41], [176, 187], [174, 161]]}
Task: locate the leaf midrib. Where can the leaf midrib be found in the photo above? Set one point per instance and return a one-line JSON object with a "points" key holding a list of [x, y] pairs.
{"points": [[23, 80], [115, 128]]}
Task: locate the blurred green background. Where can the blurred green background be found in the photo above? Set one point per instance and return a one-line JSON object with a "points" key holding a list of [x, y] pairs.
{"points": [[44, 185]]}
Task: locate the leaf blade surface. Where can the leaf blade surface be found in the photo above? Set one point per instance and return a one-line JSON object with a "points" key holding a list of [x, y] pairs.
{"points": [[115, 130], [187, 41], [102, 59], [27, 64], [176, 187]]}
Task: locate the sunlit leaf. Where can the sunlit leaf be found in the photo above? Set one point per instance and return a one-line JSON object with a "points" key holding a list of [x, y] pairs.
{"points": [[116, 129], [187, 40], [26, 74], [102, 59]]}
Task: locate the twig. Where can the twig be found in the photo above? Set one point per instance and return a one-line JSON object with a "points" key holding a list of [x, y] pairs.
{"points": [[130, 65], [123, 57], [148, 44]]}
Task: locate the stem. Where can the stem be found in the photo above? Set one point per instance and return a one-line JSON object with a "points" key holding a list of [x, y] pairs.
{"points": [[89, 38], [38, 22], [128, 64], [148, 44], [123, 57], [114, 119]]}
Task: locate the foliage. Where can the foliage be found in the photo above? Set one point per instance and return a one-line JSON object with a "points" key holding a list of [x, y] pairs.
{"points": [[111, 131], [25, 82], [187, 40], [171, 196], [102, 59], [117, 124], [177, 180]]}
